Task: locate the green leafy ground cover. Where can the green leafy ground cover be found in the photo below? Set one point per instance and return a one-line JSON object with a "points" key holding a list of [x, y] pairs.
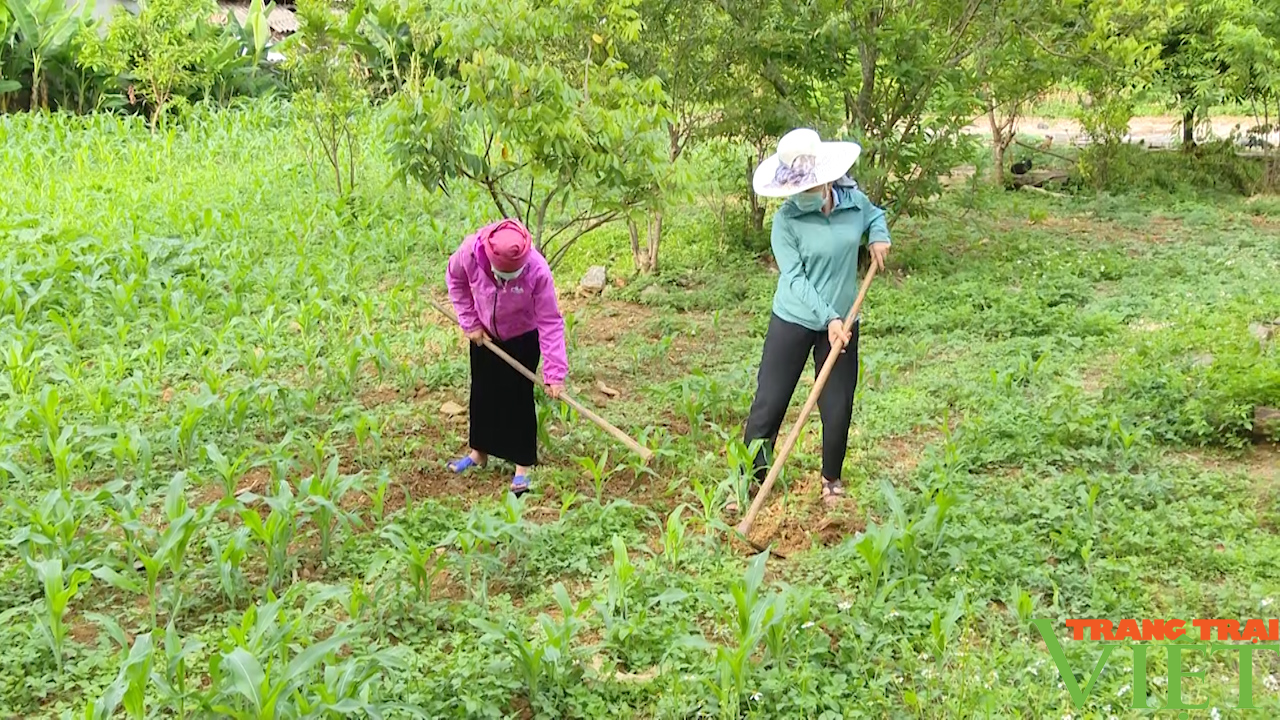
{"points": [[222, 455]]}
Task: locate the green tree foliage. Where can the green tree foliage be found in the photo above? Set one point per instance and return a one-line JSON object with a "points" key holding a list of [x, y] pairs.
{"points": [[1034, 48], [540, 115], [35, 49], [908, 87], [1250, 48], [157, 55], [683, 46], [332, 88]]}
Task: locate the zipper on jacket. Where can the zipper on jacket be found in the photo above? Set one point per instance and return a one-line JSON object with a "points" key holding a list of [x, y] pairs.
{"points": [[494, 315]]}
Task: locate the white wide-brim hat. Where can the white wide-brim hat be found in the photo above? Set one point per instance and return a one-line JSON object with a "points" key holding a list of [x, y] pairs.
{"points": [[803, 162]]}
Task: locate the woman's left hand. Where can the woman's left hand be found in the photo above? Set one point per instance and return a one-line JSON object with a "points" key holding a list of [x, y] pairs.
{"points": [[879, 253], [555, 390]]}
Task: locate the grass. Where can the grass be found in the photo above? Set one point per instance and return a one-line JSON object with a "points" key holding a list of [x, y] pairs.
{"points": [[223, 454]]}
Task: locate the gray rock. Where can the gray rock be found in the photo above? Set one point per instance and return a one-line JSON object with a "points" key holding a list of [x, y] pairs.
{"points": [[1203, 359], [595, 280], [1264, 332], [1266, 421]]}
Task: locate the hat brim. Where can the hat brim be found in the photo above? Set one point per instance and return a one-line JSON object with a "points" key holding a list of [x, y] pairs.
{"points": [[834, 161]]}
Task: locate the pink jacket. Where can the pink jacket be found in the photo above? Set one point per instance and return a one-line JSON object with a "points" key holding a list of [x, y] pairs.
{"points": [[509, 309]]}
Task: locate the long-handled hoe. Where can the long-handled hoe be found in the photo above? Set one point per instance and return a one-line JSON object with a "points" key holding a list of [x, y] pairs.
{"points": [[789, 444], [622, 437]]}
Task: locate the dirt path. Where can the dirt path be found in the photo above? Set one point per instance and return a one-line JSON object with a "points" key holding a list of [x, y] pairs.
{"points": [[1155, 131]]}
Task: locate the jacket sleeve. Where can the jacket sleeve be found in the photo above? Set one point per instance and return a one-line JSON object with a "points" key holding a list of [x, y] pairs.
{"points": [[555, 361], [790, 265], [877, 228], [459, 284]]}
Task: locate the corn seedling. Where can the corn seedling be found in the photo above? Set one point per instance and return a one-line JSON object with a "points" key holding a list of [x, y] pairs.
{"points": [[229, 557], [599, 471], [751, 616], [711, 498], [673, 537], [423, 563], [540, 659], [873, 546], [229, 471], [942, 628], [479, 547], [130, 686], [244, 687], [58, 527], [172, 676], [275, 533], [154, 549], [60, 587], [322, 496]]}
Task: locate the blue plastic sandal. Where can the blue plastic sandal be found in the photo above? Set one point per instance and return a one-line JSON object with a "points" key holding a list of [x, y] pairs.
{"points": [[463, 465], [519, 485]]}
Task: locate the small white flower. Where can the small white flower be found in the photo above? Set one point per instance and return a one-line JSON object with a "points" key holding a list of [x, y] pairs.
{"points": [[1271, 683], [807, 625], [756, 697], [1035, 672], [1158, 680], [1266, 601], [844, 605], [893, 613], [1061, 686], [1122, 691], [1213, 713], [1067, 717]]}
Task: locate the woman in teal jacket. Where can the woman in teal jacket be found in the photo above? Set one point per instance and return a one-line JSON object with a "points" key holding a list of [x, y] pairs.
{"points": [[816, 236]]}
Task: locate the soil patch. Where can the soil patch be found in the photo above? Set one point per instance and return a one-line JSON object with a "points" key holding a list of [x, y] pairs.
{"points": [[792, 522]]}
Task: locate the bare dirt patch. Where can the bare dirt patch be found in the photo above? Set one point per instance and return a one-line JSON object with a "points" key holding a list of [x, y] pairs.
{"points": [[797, 520]]}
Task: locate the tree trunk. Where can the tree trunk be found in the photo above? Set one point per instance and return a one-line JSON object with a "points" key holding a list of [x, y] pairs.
{"points": [[757, 211], [645, 257], [637, 258], [1189, 129], [998, 145], [655, 237]]}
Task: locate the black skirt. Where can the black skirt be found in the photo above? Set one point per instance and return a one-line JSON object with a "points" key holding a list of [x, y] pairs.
{"points": [[504, 421]]}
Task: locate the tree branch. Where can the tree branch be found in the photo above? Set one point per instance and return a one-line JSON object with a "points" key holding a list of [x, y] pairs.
{"points": [[560, 252]]}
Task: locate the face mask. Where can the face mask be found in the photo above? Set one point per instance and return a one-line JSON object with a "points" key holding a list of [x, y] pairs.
{"points": [[507, 276], [809, 202]]}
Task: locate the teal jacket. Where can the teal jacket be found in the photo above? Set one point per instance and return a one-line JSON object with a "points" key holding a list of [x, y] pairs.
{"points": [[817, 257]]}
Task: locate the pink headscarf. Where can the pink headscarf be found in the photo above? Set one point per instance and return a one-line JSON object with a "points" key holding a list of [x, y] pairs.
{"points": [[507, 245]]}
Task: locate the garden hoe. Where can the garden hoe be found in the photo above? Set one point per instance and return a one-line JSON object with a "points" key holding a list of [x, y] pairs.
{"points": [[622, 437], [789, 444]]}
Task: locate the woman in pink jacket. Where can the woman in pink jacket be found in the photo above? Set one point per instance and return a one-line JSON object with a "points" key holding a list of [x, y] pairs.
{"points": [[502, 290]]}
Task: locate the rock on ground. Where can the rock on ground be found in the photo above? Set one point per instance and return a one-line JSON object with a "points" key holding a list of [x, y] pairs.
{"points": [[1266, 421], [1265, 332], [594, 281]]}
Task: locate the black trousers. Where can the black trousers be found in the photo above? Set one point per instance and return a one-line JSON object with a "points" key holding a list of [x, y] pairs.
{"points": [[504, 421], [786, 350]]}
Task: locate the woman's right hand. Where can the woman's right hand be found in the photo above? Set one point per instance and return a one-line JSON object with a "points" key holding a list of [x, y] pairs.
{"points": [[836, 334], [478, 337]]}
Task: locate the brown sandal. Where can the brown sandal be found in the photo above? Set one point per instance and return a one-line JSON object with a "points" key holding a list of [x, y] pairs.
{"points": [[832, 491]]}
